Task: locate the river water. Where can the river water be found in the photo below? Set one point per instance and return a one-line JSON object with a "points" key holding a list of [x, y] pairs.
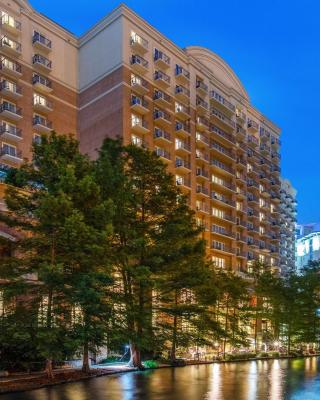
{"points": [[297, 379]]}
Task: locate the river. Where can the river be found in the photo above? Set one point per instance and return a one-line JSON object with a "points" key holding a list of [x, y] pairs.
{"points": [[297, 379]]}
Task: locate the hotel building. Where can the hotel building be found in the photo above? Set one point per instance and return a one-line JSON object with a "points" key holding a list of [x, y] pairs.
{"points": [[288, 220], [124, 79]]}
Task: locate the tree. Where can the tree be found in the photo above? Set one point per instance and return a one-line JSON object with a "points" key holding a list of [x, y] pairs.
{"points": [[153, 230], [65, 226]]}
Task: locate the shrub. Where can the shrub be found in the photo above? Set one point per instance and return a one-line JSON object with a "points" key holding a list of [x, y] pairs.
{"points": [[275, 354], [263, 354], [240, 356], [150, 364]]}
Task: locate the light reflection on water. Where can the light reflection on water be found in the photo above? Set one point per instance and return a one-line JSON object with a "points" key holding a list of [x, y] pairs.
{"points": [[253, 380]]}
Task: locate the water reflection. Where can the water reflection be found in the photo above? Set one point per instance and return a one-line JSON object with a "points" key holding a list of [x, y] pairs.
{"points": [[262, 380]]}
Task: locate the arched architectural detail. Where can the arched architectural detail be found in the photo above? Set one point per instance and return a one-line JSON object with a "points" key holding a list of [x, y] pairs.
{"points": [[219, 68]]}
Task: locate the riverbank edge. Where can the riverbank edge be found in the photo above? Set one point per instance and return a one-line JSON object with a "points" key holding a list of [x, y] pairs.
{"points": [[97, 373]]}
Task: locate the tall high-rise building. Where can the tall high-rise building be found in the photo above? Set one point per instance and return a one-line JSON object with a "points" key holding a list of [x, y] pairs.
{"points": [[125, 79], [307, 244], [288, 209]]}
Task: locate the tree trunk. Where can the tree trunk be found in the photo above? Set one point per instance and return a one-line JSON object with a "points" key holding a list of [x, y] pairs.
{"points": [[289, 339], [85, 359], [49, 369], [226, 329], [135, 357]]}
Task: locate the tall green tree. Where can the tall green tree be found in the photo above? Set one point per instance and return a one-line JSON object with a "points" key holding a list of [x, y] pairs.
{"points": [[65, 227]]}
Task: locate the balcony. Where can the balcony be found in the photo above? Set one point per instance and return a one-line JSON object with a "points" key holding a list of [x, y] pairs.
{"points": [[10, 47], [224, 216], [139, 142], [222, 248], [241, 116], [41, 104], [182, 129], [42, 63], [138, 125], [182, 93], [139, 105], [202, 208], [10, 89], [222, 150], [162, 136], [252, 126], [160, 152], [202, 106], [201, 87], [224, 184], [253, 199], [264, 134], [139, 64], [265, 150], [275, 156], [222, 118], [41, 124], [202, 173], [200, 156], [41, 42], [162, 79], [240, 133], [222, 103], [10, 24], [160, 59], [202, 191], [41, 84], [138, 43], [241, 193], [161, 98], [10, 111], [222, 199], [10, 154], [183, 182], [223, 167], [182, 111], [162, 118], [139, 84], [202, 140], [253, 141], [182, 147], [182, 75], [202, 123], [219, 230], [10, 68], [275, 143], [10, 132], [182, 164], [222, 134]]}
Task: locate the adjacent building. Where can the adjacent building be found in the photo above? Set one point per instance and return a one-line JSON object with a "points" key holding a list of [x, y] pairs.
{"points": [[125, 79], [307, 244], [288, 219]]}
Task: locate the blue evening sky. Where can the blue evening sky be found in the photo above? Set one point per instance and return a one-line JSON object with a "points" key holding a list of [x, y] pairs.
{"points": [[273, 47]]}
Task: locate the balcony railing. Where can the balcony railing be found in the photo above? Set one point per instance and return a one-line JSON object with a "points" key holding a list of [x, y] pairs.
{"points": [[226, 185], [220, 99], [41, 80], [182, 127], [10, 130], [138, 60], [10, 65], [201, 121], [201, 103], [160, 133], [202, 190], [5, 42], [162, 57], [222, 117], [183, 146], [222, 150], [222, 247], [202, 173], [8, 20], [137, 40], [182, 72], [135, 100], [202, 86], [163, 153], [38, 38], [10, 151], [223, 166], [182, 91], [222, 133], [161, 76], [182, 163], [159, 95], [41, 60], [12, 108], [10, 87], [252, 125], [37, 120], [223, 199], [221, 231], [161, 114]]}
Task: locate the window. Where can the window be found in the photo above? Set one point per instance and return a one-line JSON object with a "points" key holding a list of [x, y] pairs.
{"points": [[136, 140], [135, 120], [37, 138], [216, 212], [219, 262]]}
